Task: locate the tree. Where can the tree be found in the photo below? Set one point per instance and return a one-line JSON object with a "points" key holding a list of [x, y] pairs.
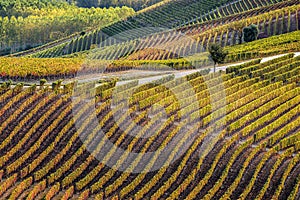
{"points": [[250, 33], [238, 27], [217, 54]]}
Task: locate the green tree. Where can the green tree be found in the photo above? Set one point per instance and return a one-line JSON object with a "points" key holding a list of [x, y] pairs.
{"points": [[217, 54], [250, 33], [44, 25]]}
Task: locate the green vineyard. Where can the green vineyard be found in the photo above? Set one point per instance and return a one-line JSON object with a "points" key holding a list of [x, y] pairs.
{"points": [[144, 23], [227, 35]]}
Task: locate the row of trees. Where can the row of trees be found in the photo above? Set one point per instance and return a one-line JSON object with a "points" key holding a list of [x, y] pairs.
{"points": [[23, 7], [135, 4], [49, 24]]}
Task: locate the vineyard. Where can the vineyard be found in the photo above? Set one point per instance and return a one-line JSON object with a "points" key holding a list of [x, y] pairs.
{"points": [[127, 106], [255, 154], [276, 19], [272, 23], [172, 14]]}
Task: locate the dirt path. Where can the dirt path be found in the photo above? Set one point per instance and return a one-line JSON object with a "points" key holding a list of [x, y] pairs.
{"points": [[146, 76], [179, 74]]}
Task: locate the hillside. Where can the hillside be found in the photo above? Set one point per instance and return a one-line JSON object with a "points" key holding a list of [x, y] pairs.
{"points": [[183, 99], [272, 20], [258, 159], [171, 14]]}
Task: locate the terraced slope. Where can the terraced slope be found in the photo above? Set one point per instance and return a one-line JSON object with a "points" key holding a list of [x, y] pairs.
{"points": [[171, 14], [255, 155], [281, 18]]}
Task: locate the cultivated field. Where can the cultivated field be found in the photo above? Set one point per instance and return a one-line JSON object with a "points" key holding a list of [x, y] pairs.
{"points": [[79, 120]]}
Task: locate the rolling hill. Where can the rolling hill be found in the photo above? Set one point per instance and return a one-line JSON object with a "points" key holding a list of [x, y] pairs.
{"points": [[72, 127]]}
